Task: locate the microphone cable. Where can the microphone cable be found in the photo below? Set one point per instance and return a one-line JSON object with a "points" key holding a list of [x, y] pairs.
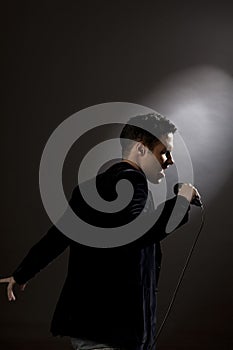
{"points": [[181, 277]]}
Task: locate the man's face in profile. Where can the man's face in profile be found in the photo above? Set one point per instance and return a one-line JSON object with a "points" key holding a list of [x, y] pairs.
{"points": [[154, 163]]}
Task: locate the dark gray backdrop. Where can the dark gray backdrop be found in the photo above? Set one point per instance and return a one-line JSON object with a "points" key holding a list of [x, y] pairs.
{"points": [[58, 59]]}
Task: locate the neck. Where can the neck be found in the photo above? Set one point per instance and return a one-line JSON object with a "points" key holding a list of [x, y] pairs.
{"points": [[135, 165]]}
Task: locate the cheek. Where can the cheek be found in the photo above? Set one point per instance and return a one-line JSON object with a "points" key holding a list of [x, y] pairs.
{"points": [[156, 164], [161, 158]]}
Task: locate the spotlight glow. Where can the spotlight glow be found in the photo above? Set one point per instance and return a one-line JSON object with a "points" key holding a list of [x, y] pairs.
{"points": [[199, 101]]}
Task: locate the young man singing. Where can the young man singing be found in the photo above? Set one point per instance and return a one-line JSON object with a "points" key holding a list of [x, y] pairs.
{"points": [[109, 297]]}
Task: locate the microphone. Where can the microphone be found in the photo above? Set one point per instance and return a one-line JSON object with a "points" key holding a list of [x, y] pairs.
{"points": [[196, 200]]}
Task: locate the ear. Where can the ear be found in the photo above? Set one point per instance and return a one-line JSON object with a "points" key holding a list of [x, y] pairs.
{"points": [[141, 149]]}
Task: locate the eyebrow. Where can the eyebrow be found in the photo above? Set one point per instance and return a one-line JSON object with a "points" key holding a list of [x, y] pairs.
{"points": [[166, 150]]}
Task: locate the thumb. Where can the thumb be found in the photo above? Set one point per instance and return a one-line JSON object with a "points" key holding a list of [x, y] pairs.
{"points": [[22, 287]]}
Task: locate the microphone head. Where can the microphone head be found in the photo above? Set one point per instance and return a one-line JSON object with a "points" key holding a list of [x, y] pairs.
{"points": [[177, 187]]}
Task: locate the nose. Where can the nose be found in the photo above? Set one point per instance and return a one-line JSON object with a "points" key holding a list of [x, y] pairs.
{"points": [[168, 161]]}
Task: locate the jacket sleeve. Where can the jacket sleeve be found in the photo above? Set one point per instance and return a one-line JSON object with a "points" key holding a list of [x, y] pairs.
{"points": [[52, 244], [162, 214], [41, 254]]}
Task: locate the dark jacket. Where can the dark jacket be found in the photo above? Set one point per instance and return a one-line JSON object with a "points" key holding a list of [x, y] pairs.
{"points": [[109, 294]]}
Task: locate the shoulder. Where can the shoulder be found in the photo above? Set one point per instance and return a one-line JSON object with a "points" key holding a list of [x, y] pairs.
{"points": [[123, 169], [106, 181]]}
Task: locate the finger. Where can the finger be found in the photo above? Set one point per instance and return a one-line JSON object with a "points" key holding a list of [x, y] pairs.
{"points": [[10, 292], [197, 194], [22, 287]]}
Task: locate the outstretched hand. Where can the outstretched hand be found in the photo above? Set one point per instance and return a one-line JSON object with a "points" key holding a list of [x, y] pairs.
{"points": [[10, 288]]}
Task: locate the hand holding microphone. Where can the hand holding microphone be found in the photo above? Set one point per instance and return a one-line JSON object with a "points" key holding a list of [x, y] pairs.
{"points": [[189, 192]]}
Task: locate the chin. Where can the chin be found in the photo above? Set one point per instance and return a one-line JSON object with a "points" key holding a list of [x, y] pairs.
{"points": [[155, 181]]}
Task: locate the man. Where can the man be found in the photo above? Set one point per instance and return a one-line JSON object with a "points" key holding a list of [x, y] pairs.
{"points": [[109, 297]]}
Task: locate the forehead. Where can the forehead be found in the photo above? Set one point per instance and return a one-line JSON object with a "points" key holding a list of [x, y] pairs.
{"points": [[166, 141]]}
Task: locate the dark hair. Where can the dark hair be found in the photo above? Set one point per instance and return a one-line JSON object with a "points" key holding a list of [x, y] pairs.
{"points": [[147, 128]]}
